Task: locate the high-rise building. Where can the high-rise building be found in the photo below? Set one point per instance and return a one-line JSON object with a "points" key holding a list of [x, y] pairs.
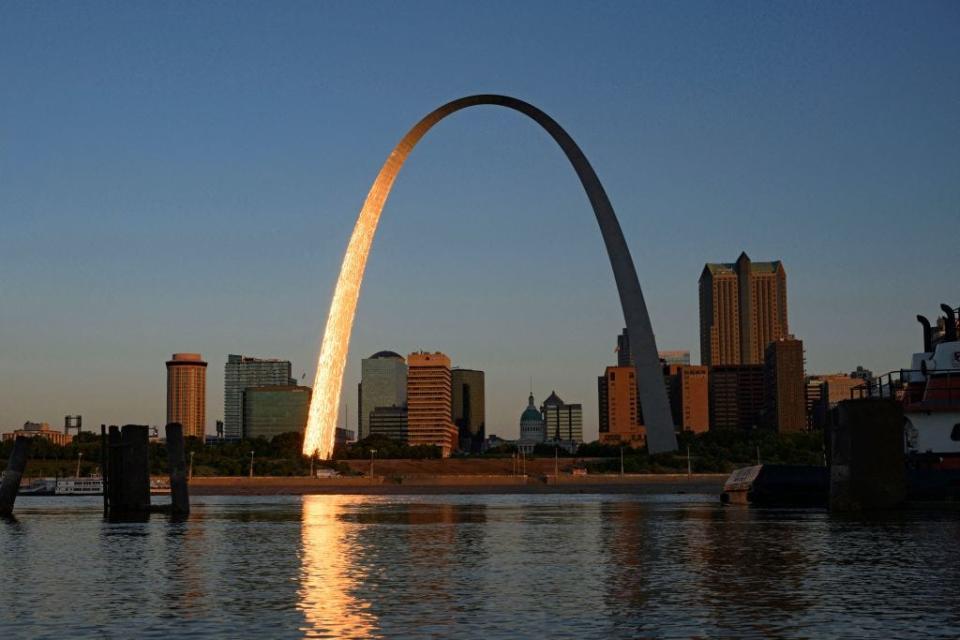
{"points": [[619, 409], [824, 392], [864, 375], [429, 419], [785, 406], [736, 396], [674, 357], [390, 422], [187, 393], [688, 388], [564, 422], [743, 308], [467, 398], [383, 383], [624, 357], [241, 372], [532, 428], [272, 410]]}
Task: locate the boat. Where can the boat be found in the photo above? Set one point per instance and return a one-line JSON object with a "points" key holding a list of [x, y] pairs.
{"points": [[39, 487], [92, 486], [929, 393], [777, 485]]}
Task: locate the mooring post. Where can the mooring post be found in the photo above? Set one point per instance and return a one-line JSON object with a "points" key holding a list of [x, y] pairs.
{"points": [[11, 477], [176, 454], [104, 469], [134, 489], [114, 468]]}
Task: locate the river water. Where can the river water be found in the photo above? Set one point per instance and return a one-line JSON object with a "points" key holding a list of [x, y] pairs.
{"points": [[557, 566]]}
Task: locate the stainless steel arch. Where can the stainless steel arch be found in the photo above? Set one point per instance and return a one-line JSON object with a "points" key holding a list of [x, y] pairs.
{"points": [[324, 406]]}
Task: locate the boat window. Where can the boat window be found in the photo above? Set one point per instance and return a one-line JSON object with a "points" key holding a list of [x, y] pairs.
{"points": [[955, 434]]}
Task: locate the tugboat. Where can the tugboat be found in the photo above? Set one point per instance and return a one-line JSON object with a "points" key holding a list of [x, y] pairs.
{"points": [[929, 392]]}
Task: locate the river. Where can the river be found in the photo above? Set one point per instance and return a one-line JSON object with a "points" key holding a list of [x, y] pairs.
{"points": [[514, 566]]}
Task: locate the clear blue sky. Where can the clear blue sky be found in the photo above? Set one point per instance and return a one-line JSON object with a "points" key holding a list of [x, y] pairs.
{"points": [[184, 177]]}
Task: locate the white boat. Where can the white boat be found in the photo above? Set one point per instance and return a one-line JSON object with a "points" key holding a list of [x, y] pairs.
{"points": [[929, 392], [92, 486]]}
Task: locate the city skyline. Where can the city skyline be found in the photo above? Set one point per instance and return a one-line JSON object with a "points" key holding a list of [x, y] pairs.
{"points": [[100, 231]]}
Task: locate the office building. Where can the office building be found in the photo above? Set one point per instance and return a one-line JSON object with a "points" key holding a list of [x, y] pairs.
{"points": [[390, 422], [187, 393], [533, 430], [564, 422], [624, 357], [620, 421], [824, 392], [674, 357], [39, 430], [271, 410], [736, 396], [429, 419], [383, 383], [467, 408], [688, 389], [241, 372], [743, 308], [864, 375], [785, 387]]}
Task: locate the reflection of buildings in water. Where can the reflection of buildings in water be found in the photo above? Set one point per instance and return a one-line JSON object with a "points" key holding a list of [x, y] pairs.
{"points": [[187, 563], [630, 549], [751, 564], [329, 577]]}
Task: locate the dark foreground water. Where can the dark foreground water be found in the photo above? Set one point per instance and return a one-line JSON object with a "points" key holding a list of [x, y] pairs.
{"points": [[476, 567]]}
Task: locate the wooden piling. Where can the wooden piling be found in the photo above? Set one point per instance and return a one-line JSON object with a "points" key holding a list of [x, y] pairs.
{"points": [[177, 457], [113, 470], [133, 490], [11, 477]]}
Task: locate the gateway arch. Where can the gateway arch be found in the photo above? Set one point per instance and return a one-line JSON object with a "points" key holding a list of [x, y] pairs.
{"points": [[324, 405]]}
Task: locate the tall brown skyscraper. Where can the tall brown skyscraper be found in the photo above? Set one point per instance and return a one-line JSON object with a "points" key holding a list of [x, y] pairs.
{"points": [[467, 408], [620, 420], [743, 308], [785, 387], [429, 418], [187, 393]]}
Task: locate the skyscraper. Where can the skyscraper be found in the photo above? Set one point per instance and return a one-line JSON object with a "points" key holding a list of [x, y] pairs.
{"points": [[785, 406], [736, 396], [467, 397], [429, 419], [743, 308], [272, 410], [241, 372], [620, 420], [383, 383], [564, 422], [689, 396], [187, 393]]}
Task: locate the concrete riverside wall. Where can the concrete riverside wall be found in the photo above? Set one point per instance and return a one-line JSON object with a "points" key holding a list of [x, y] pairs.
{"points": [[867, 467]]}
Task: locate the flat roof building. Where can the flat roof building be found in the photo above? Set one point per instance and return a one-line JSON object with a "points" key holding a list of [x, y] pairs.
{"points": [[429, 418], [241, 372], [271, 410], [383, 383]]}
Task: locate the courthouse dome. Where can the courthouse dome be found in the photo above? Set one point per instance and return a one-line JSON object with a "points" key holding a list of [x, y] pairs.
{"points": [[531, 413]]}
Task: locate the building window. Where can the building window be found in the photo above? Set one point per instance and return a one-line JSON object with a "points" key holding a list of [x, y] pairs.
{"points": [[955, 434]]}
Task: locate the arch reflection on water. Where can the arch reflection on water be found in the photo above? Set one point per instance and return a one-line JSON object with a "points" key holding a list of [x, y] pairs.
{"points": [[329, 580]]}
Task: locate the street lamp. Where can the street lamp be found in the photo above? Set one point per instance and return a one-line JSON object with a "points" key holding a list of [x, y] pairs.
{"points": [[372, 451], [251, 464], [190, 473], [79, 458]]}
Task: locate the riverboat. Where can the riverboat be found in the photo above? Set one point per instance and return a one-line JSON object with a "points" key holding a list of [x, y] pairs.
{"points": [[929, 393], [92, 486]]}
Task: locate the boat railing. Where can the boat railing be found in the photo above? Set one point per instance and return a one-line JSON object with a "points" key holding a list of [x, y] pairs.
{"points": [[913, 386]]}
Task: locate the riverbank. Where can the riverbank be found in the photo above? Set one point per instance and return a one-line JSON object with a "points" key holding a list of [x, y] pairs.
{"points": [[460, 484]]}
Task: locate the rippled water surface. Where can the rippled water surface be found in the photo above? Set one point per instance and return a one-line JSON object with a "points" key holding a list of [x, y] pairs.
{"points": [[476, 567]]}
